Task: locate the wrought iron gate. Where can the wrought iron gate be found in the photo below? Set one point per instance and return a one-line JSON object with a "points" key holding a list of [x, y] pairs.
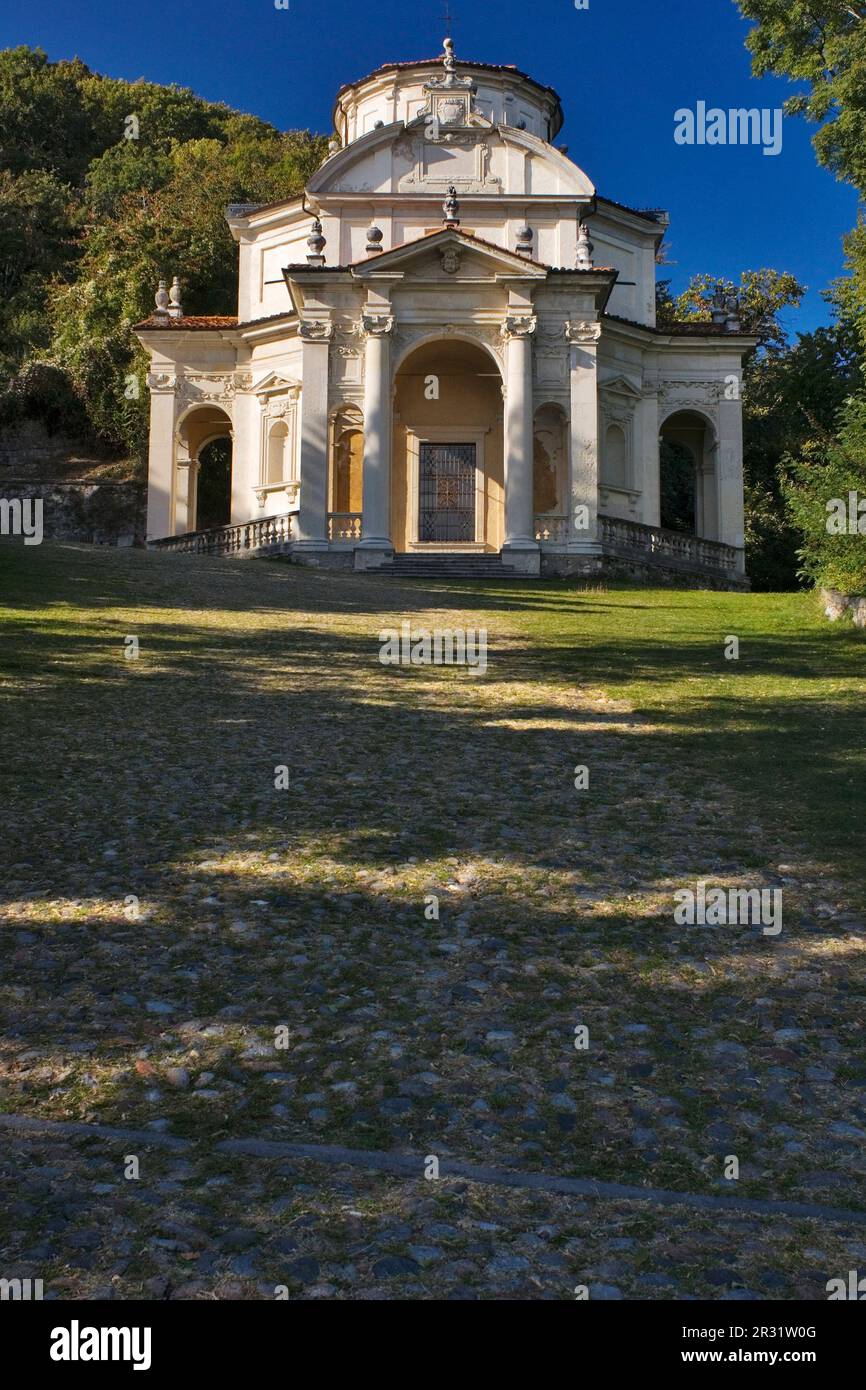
{"points": [[447, 493]]}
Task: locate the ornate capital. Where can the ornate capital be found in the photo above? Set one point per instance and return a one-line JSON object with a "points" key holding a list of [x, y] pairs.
{"points": [[584, 331], [377, 325], [519, 326], [315, 330]]}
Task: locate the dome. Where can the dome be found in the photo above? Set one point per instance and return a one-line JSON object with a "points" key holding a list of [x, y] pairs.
{"points": [[399, 92]]}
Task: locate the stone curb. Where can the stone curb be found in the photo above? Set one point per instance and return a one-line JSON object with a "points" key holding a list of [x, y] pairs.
{"points": [[409, 1165]]}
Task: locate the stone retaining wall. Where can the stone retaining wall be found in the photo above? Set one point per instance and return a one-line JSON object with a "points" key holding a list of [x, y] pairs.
{"points": [[104, 513]]}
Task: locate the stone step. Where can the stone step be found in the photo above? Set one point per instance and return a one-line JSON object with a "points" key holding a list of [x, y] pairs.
{"points": [[446, 561], [447, 567], [445, 574]]}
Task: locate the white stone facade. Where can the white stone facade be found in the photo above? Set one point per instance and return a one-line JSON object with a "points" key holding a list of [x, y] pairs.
{"points": [[531, 306]]}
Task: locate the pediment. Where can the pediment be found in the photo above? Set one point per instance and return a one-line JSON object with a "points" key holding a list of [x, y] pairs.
{"points": [[449, 256], [275, 385], [620, 386]]}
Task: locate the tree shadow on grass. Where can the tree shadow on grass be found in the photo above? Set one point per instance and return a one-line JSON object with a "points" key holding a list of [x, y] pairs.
{"points": [[134, 775]]}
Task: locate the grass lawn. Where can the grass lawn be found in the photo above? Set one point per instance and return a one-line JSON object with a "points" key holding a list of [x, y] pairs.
{"points": [[165, 909]]}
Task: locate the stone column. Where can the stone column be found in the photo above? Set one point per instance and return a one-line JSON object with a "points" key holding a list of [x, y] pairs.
{"points": [[729, 472], [583, 510], [521, 548], [312, 521], [246, 435], [648, 479], [160, 468], [185, 501], [376, 543]]}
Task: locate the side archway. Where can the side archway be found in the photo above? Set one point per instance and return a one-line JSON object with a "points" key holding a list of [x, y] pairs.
{"points": [[688, 478], [203, 494]]}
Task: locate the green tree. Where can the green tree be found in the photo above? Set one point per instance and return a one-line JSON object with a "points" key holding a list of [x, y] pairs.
{"points": [[37, 243], [105, 186], [821, 43], [822, 481], [791, 402], [178, 227], [762, 296]]}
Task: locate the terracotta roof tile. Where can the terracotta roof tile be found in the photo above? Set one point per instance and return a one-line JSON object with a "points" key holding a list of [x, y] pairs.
{"points": [[194, 322]]}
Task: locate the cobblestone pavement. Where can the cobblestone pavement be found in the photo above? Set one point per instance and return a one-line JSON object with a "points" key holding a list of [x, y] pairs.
{"points": [[398, 951]]}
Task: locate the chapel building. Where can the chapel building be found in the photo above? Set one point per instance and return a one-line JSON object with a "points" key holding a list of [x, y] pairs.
{"points": [[445, 352]]}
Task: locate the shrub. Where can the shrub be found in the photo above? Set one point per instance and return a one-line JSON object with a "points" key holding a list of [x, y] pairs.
{"points": [[832, 557]]}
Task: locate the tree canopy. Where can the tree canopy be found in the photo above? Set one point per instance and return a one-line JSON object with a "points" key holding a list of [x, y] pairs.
{"points": [[105, 186]]}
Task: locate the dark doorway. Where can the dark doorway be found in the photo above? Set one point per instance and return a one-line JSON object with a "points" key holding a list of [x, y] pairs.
{"points": [[214, 505], [678, 487]]}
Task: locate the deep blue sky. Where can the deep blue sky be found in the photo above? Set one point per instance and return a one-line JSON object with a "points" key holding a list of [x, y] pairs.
{"points": [[622, 68]]}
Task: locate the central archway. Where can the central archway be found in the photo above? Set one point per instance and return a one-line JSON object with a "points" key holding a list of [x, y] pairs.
{"points": [[447, 482]]}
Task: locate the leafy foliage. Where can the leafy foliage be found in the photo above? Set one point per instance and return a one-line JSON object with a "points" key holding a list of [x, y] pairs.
{"points": [[834, 558], [762, 295], [821, 43], [91, 219]]}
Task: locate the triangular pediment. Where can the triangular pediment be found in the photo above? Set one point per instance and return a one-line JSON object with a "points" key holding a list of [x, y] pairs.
{"points": [[449, 255], [275, 385], [620, 386]]}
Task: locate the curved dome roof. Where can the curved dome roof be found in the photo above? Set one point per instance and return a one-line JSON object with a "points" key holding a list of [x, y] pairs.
{"points": [[447, 61]]}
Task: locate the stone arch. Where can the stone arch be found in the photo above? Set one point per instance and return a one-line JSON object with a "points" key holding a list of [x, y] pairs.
{"points": [[405, 349], [447, 478], [705, 416], [688, 473], [203, 476]]}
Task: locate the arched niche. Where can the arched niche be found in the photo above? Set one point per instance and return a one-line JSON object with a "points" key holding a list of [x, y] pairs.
{"points": [[347, 469], [279, 462], [615, 471], [549, 463]]}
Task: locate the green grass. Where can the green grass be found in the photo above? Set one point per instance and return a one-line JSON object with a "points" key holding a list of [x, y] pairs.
{"points": [[155, 778], [784, 725]]}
